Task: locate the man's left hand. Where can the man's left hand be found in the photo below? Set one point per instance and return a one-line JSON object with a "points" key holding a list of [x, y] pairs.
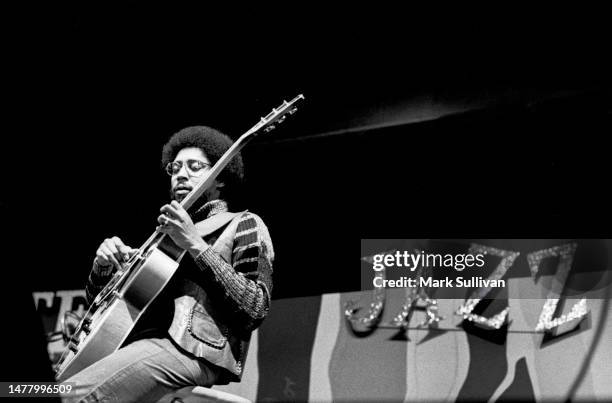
{"points": [[176, 222]]}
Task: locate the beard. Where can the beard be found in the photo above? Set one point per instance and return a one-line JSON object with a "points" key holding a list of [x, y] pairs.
{"points": [[202, 200], [178, 198]]}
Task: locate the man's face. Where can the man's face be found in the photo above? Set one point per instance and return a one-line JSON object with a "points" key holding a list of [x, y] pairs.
{"points": [[191, 165]]}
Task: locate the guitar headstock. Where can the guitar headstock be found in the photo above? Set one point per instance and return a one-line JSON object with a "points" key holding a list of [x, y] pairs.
{"points": [[276, 116]]}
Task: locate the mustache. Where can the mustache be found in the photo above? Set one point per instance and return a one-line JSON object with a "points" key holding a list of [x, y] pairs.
{"points": [[183, 186], [178, 197]]}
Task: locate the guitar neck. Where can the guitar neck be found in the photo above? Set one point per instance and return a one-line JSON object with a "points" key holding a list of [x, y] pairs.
{"points": [[265, 124]]}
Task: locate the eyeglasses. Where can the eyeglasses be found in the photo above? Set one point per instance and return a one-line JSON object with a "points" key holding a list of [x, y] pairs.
{"points": [[194, 167]]}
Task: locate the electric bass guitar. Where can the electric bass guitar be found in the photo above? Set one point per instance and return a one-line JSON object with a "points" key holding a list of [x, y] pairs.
{"points": [[116, 309]]}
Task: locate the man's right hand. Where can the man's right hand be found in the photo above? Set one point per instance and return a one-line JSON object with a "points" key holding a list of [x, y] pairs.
{"points": [[113, 252]]}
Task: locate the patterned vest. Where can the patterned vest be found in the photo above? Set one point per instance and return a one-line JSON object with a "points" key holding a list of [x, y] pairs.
{"points": [[202, 327]]}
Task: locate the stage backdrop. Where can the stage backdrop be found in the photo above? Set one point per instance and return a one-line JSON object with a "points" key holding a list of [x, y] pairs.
{"points": [[307, 349]]}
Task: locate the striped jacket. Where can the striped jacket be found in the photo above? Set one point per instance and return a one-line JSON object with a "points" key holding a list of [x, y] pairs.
{"points": [[224, 296]]}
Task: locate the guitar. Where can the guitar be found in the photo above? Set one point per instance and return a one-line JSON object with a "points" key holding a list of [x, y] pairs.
{"points": [[116, 309]]}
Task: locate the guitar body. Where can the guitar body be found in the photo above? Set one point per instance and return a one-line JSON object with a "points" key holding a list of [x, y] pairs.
{"points": [[105, 330]]}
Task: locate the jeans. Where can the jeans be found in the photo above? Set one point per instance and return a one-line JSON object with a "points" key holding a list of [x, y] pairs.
{"points": [[142, 371]]}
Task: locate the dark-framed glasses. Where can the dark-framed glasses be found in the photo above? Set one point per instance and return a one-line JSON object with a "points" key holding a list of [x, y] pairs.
{"points": [[194, 167]]}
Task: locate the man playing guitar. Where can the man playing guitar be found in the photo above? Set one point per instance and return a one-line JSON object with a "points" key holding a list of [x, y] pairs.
{"points": [[197, 330]]}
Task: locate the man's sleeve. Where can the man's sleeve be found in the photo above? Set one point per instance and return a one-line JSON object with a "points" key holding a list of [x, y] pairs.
{"points": [[246, 284], [98, 277]]}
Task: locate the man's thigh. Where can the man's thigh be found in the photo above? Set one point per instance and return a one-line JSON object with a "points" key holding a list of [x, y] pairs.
{"points": [[144, 370]]}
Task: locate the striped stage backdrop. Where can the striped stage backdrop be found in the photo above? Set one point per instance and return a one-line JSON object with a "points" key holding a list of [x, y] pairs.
{"points": [[307, 350]]}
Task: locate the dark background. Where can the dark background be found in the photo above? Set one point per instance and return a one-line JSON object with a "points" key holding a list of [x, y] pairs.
{"points": [[439, 123], [414, 125]]}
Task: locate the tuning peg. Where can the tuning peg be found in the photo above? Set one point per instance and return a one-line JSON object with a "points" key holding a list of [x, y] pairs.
{"points": [[269, 128], [292, 111], [282, 119]]}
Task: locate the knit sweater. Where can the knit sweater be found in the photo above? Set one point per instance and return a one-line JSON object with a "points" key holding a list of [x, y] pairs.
{"points": [[245, 286]]}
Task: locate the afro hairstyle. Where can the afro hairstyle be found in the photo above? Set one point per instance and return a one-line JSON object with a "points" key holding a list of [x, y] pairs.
{"points": [[214, 144]]}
